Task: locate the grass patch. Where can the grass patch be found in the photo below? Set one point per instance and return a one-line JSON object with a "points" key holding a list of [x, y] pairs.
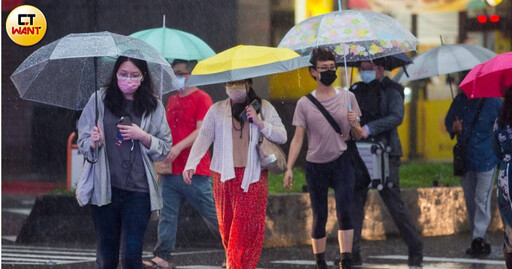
{"points": [[275, 182], [412, 175], [422, 174]]}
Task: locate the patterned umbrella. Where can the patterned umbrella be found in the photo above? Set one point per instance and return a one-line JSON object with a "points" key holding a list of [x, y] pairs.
{"points": [[354, 35]]}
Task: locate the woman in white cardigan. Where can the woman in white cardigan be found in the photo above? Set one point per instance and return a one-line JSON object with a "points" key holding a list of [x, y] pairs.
{"points": [[239, 184]]}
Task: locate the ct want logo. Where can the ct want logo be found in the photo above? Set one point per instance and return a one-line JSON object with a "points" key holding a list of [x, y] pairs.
{"points": [[26, 25]]}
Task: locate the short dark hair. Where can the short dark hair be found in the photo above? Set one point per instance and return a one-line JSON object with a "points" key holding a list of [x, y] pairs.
{"points": [[378, 62], [190, 64], [321, 55]]}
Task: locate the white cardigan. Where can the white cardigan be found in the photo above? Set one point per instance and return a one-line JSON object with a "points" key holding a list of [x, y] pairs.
{"points": [[216, 127]]}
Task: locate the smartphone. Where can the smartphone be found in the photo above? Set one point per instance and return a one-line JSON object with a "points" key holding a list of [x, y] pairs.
{"points": [[125, 121], [255, 104]]}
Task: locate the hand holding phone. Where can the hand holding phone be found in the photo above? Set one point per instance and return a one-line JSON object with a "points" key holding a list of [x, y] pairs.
{"points": [[125, 121], [255, 104]]}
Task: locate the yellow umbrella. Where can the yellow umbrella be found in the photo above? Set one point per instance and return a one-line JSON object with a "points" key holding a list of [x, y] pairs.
{"points": [[243, 62]]}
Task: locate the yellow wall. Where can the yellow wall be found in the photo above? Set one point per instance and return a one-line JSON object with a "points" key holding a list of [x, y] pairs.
{"points": [[434, 142], [403, 132], [291, 85], [297, 83], [318, 7]]}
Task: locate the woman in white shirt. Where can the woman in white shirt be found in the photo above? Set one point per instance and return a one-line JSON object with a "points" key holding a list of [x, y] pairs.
{"points": [[239, 183]]}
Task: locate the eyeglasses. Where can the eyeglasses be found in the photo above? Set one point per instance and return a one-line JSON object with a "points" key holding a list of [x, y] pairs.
{"points": [[325, 68], [233, 83], [125, 77]]}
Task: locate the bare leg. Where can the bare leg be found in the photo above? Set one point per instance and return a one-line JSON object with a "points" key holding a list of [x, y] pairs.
{"points": [[345, 238], [319, 245]]}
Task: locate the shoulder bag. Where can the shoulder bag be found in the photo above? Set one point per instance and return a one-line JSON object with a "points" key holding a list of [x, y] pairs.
{"points": [[271, 155]]}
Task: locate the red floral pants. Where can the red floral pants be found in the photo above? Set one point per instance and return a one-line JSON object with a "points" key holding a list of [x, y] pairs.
{"points": [[241, 218]]}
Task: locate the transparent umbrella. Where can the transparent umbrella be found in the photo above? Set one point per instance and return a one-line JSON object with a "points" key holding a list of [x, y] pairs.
{"points": [[353, 35], [67, 71]]}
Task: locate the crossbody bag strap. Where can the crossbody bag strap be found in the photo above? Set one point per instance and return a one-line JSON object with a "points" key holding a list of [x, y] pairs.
{"points": [[324, 112], [263, 119], [475, 119]]}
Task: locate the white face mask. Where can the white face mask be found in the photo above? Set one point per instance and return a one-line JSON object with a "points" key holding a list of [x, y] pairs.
{"points": [[237, 93], [181, 82]]}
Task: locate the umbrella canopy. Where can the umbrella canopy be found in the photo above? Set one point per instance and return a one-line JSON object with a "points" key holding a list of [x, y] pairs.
{"points": [[175, 44], [243, 62], [67, 71], [444, 59], [389, 62], [354, 35], [489, 79]]}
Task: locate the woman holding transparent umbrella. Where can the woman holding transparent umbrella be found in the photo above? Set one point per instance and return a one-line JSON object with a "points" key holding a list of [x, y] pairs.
{"points": [[131, 133]]}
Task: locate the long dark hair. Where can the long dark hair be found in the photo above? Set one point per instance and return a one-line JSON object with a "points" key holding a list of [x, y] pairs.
{"points": [[143, 99], [237, 108], [506, 109]]}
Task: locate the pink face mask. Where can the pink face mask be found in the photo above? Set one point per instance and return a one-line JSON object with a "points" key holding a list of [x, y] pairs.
{"points": [[128, 86]]}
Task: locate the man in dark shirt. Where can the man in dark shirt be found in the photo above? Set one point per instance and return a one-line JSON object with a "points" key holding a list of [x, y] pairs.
{"points": [[382, 107]]}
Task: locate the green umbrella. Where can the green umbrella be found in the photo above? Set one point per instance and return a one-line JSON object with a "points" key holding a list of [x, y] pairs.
{"points": [[175, 44]]}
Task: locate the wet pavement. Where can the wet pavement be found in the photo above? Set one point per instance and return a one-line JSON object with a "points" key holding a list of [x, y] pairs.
{"points": [[439, 252]]}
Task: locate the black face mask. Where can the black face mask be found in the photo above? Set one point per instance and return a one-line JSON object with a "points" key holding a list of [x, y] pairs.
{"points": [[328, 77]]}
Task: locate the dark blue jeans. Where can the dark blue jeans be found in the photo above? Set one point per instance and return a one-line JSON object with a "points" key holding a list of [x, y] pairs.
{"points": [[123, 221]]}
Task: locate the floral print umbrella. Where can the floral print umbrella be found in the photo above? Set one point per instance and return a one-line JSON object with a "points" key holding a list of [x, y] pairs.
{"points": [[354, 35]]}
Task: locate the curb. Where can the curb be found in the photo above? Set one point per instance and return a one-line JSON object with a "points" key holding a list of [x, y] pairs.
{"points": [[434, 211]]}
